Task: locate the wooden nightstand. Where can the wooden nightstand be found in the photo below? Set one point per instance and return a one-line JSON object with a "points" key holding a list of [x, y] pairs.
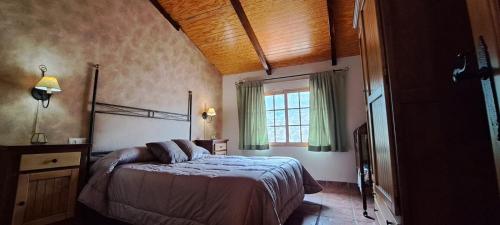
{"points": [[215, 146], [40, 183]]}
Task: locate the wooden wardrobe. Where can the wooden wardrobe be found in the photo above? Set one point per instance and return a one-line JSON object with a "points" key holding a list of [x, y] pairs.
{"points": [[432, 155]]}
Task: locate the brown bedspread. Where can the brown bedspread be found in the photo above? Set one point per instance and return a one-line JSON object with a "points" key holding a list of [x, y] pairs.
{"points": [[215, 190]]}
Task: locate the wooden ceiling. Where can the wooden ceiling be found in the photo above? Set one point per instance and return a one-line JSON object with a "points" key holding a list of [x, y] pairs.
{"points": [[289, 32]]}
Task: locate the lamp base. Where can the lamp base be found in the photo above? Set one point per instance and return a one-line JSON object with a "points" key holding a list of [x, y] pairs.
{"points": [[39, 94], [39, 139]]}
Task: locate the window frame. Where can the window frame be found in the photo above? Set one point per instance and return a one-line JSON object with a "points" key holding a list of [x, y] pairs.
{"points": [[285, 92]]}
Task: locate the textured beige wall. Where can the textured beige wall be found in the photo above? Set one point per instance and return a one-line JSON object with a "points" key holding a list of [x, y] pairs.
{"points": [[144, 62]]}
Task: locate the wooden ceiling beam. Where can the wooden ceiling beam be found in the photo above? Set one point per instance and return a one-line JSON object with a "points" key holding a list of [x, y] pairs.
{"points": [[332, 31], [165, 14], [251, 35]]}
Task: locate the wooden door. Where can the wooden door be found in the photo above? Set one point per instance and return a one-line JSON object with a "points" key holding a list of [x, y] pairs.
{"points": [[485, 21], [45, 197], [378, 106]]}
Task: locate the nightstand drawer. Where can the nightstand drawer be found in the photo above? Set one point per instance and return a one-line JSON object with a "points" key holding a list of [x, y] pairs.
{"points": [[221, 152], [49, 160], [214, 146], [220, 146]]}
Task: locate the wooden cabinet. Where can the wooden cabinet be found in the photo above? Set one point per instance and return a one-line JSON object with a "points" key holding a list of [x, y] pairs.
{"points": [[45, 197], [485, 20], [215, 146], [41, 182], [377, 96], [431, 149]]}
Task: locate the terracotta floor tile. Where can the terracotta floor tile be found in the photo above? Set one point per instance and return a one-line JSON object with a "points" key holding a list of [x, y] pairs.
{"points": [[336, 190], [358, 215], [337, 212], [308, 208], [359, 204], [337, 204], [300, 219], [314, 198], [332, 201]]}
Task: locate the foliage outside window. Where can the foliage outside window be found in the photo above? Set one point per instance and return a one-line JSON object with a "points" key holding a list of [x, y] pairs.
{"points": [[287, 116]]}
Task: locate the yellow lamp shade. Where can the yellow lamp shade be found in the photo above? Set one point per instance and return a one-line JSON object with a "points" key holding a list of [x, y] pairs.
{"points": [[211, 112], [48, 84]]}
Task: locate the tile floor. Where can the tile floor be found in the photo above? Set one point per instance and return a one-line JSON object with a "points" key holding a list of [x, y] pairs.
{"points": [[337, 204]]}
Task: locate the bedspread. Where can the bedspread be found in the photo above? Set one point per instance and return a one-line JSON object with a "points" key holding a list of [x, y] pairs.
{"points": [[217, 190]]}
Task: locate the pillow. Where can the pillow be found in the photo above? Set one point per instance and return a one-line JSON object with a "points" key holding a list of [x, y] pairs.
{"points": [[192, 151], [199, 152], [167, 152]]}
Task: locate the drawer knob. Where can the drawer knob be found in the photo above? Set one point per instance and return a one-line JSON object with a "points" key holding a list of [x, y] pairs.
{"points": [[389, 222], [21, 203], [54, 160]]}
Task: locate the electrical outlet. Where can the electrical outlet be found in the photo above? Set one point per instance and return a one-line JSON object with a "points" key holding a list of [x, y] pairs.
{"points": [[77, 140]]}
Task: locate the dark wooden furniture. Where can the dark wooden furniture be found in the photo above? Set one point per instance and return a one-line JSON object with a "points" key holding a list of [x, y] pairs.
{"points": [[215, 146], [363, 164], [431, 148], [40, 183], [485, 21]]}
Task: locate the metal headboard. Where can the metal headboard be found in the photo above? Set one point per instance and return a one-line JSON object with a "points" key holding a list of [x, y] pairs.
{"points": [[113, 109]]}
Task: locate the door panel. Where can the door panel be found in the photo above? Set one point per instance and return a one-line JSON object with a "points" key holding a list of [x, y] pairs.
{"points": [[366, 82], [45, 197], [485, 21], [378, 107], [373, 47], [364, 57], [384, 173]]}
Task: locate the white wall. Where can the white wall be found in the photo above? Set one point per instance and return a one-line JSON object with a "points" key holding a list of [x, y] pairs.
{"points": [[330, 166]]}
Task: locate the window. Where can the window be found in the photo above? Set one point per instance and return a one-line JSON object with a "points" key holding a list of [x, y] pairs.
{"points": [[287, 115]]}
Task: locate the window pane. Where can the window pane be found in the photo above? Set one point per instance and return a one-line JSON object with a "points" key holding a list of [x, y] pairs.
{"points": [[279, 101], [269, 102], [280, 117], [293, 100], [294, 133], [270, 118], [270, 134], [305, 133], [293, 117], [304, 116], [280, 134], [304, 99]]}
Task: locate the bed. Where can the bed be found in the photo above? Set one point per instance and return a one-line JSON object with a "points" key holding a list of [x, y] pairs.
{"points": [[132, 186], [129, 186]]}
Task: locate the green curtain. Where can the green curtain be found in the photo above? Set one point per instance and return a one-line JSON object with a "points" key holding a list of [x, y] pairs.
{"points": [[252, 116], [327, 101]]}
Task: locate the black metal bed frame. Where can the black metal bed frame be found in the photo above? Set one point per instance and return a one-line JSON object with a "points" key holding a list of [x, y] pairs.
{"points": [[106, 108]]}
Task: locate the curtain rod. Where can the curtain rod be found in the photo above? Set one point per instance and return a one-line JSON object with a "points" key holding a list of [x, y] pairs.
{"points": [[291, 76]]}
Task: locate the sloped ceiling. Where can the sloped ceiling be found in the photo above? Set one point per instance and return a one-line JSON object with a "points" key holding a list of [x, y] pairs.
{"points": [[290, 32]]}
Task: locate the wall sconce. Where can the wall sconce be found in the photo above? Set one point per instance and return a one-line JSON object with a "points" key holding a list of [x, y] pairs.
{"points": [[209, 114], [44, 89]]}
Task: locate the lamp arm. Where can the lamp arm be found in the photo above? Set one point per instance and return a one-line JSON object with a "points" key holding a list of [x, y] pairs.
{"points": [[48, 103]]}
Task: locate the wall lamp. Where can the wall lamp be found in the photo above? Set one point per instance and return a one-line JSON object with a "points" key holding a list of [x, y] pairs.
{"points": [[209, 114], [44, 89]]}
